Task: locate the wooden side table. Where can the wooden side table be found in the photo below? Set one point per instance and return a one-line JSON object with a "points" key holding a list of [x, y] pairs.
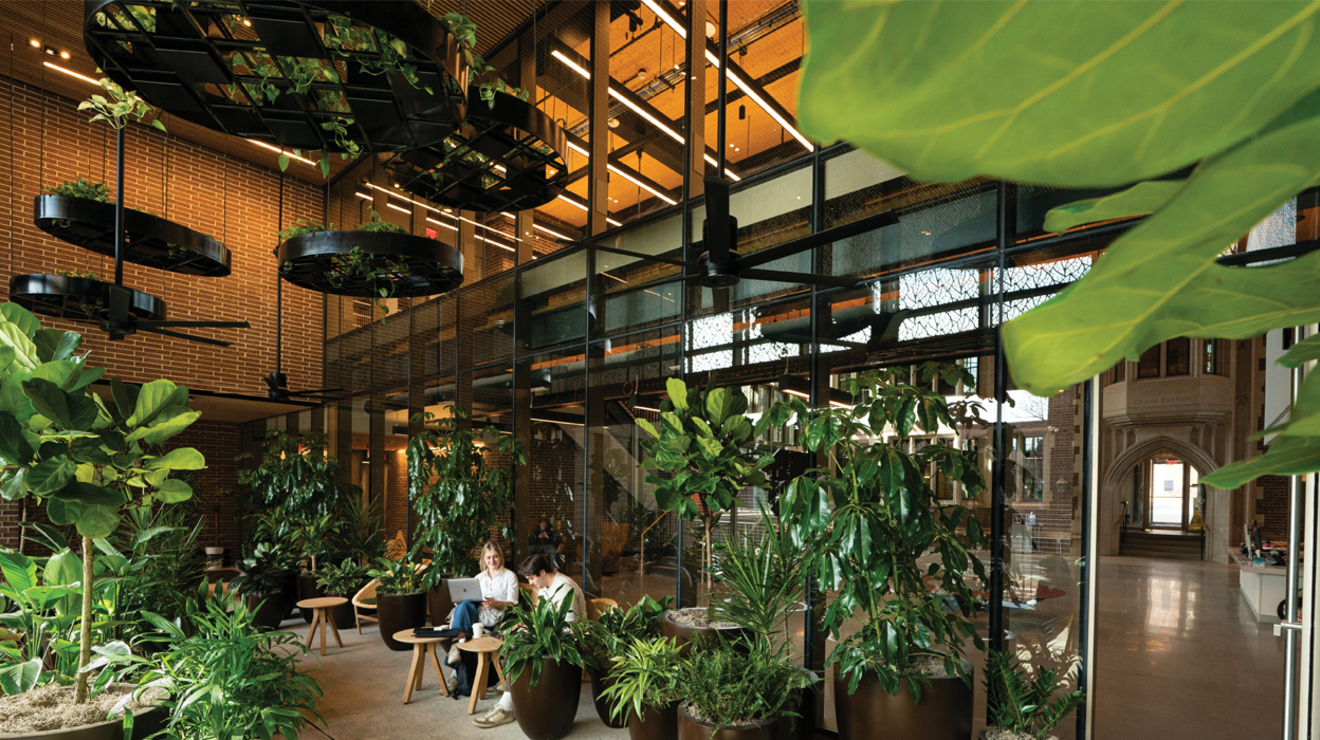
{"points": [[320, 615], [423, 647], [487, 649]]}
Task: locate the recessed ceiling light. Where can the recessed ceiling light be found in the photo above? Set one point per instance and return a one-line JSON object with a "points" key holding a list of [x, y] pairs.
{"points": [[35, 44], [64, 55], [247, 22]]}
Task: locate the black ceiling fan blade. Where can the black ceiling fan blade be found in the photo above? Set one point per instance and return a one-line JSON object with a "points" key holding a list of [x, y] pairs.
{"points": [[830, 281], [193, 324], [811, 241], [181, 335], [718, 234]]}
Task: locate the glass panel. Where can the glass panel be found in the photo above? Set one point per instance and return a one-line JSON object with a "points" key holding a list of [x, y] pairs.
{"points": [[556, 461], [1166, 492], [1177, 356], [552, 299], [486, 321], [561, 43], [1149, 364]]}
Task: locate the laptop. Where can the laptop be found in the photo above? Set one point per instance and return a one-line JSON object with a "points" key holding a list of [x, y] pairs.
{"points": [[464, 589]]}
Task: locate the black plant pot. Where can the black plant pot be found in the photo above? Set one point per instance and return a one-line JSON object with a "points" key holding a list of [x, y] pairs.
{"points": [[307, 589], [686, 636], [655, 723], [691, 729], [343, 614], [146, 721], [546, 711], [398, 612], [267, 610], [600, 681], [290, 593], [944, 712], [438, 602]]}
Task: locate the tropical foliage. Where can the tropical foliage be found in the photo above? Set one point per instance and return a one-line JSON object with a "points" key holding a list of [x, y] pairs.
{"points": [[1110, 95], [645, 674], [541, 631], [1022, 703], [730, 684]]}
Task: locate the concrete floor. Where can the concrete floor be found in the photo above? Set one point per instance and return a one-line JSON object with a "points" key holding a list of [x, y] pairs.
{"points": [[1178, 655]]}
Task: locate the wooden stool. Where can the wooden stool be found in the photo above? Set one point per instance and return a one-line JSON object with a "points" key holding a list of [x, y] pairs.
{"points": [[320, 615], [423, 647], [487, 649]]}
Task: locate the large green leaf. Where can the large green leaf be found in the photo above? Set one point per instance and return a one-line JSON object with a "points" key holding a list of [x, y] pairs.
{"points": [[155, 397], [98, 521], [182, 458], [1138, 200], [1161, 280], [18, 678], [1287, 456], [14, 449], [51, 475], [19, 570], [20, 317], [6, 358], [173, 491], [74, 412], [1075, 94], [25, 352], [170, 422], [62, 569], [53, 344]]}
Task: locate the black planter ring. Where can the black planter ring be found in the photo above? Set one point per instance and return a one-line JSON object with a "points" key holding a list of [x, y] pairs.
{"points": [[151, 241], [77, 298], [509, 156], [403, 264], [180, 57]]}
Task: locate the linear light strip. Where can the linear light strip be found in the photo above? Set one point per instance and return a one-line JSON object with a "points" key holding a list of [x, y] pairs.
{"points": [[433, 209], [636, 108], [363, 196], [737, 81], [71, 73]]}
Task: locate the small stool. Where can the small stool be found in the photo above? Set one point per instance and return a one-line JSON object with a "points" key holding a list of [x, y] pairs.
{"points": [[423, 647], [487, 649], [320, 615]]}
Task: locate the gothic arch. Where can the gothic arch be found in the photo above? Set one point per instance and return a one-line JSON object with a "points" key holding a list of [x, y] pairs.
{"points": [[1121, 467]]}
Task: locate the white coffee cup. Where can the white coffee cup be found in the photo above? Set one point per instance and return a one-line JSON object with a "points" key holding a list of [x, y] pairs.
{"points": [[478, 629]]}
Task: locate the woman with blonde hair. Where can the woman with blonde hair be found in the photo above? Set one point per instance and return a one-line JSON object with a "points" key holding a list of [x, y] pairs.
{"points": [[499, 590]]}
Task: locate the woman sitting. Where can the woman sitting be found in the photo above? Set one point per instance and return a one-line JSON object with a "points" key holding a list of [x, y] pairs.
{"points": [[555, 586], [499, 589]]}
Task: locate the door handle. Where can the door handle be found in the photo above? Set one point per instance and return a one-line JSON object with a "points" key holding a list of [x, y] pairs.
{"points": [[1282, 626]]}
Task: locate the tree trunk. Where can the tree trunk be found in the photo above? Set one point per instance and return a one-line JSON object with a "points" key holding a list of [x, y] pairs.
{"points": [[85, 636]]}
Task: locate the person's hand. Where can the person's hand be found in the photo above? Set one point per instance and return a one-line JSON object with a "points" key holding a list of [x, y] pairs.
{"points": [[544, 536]]}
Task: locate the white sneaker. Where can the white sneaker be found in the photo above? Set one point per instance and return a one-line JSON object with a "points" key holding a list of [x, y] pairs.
{"points": [[494, 718]]}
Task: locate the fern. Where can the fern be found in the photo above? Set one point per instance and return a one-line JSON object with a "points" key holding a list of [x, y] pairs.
{"points": [[1021, 703]]}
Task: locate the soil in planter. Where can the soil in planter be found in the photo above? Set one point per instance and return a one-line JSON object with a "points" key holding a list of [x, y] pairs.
{"points": [[994, 733], [51, 707], [930, 666], [697, 618], [742, 722]]}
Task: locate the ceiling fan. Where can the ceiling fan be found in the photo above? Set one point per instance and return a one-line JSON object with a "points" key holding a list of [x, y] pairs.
{"points": [[721, 266], [277, 383], [119, 322]]}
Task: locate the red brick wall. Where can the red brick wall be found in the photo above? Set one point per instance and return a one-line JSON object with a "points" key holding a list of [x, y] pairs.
{"points": [[219, 443], [1272, 507], [236, 202]]}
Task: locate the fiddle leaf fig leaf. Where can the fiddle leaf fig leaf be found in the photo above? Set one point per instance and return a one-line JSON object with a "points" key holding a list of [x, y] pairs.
{"points": [[677, 393], [1161, 280], [20, 317], [1301, 353], [98, 521], [14, 448], [173, 491], [1287, 456], [25, 351], [941, 105], [1138, 200], [55, 345], [51, 475], [183, 458]]}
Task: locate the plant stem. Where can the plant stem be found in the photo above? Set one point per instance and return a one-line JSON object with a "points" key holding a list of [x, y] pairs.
{"points": [[85, 635]]}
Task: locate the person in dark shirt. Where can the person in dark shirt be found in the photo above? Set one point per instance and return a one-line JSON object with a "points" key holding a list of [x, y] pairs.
{"points": [[544, 540]]}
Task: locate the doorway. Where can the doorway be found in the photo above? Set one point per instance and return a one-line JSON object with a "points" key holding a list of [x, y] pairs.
{"points": [[1171, 494]]}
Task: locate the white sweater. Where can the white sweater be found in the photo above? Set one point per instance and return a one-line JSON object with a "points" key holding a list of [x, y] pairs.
{"points": [[502, 587]]}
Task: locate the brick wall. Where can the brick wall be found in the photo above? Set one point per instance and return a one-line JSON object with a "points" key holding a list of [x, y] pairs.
{"points": [[1272, 507], [219, 444]]}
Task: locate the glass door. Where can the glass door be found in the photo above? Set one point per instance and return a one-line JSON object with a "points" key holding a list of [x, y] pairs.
{"points": [[1168, 493]]}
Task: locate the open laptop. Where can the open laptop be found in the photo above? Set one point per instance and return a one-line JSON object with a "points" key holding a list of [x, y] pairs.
{"points": [[464, 589]]}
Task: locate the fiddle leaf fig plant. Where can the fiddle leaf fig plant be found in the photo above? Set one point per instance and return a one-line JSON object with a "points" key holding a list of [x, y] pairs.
{"points": [[457, 491], [1084, 111], [872, 519], [702, 451], [85, 458]]}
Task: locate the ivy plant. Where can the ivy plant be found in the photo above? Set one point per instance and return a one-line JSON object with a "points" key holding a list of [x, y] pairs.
{"points": [[85, 458], [81, 188], [871, 517], [457, 491], [702, 451], [119, 106], [1112, 94]]}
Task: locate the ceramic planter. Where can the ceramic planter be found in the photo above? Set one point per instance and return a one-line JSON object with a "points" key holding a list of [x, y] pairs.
{"points": [[546, 711], [438, 602], [684, 635], [343, 614], [600, 681], [944, 712], [655, 723], [398, 612], [268, 610], [691, 729], [145, 722]]}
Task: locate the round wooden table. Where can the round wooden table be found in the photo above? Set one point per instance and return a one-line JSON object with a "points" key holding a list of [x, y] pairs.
{"points": [[320, 615], [423, 647], [487, 649]]}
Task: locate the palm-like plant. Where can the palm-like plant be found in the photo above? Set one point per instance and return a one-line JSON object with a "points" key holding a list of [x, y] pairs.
{"points": [[646, 674], [1022, 704], [764, 580], [542, 631]]}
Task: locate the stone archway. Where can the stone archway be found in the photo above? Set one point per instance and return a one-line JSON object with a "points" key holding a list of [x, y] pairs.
{"points": [[1115, 477]]}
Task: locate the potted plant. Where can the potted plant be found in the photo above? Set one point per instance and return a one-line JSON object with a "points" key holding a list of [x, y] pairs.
{"points": [[1023, 706], [644, 689], [266, 570], [226, 679], [543, 668], [608, 637], [730, 693], [400, 598], [458, 489], [700, 452], [314, 539], [894, 555], [342, 580], [87, 460]]}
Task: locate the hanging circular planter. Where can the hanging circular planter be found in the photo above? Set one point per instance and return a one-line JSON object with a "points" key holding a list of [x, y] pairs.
{"points": [[508, 156], [370, 264], [150, 240], [331, 76], [78, 298]]}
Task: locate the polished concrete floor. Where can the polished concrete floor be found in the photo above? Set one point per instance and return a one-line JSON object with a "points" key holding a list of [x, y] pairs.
{"points": [[1178, 655]]}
